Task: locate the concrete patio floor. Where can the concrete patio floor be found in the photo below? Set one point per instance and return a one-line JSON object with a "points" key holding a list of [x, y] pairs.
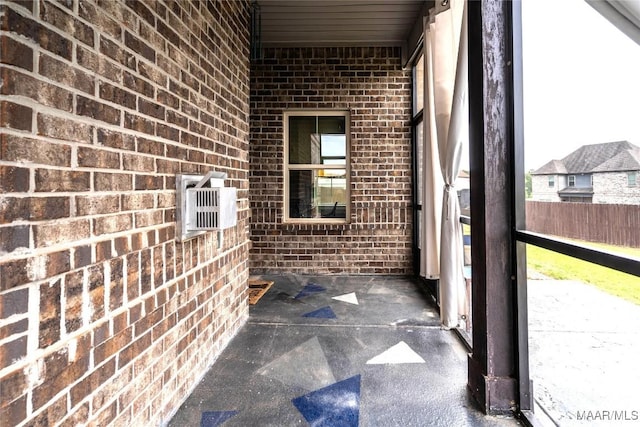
{"points": [[338, 351], [584, 347]]}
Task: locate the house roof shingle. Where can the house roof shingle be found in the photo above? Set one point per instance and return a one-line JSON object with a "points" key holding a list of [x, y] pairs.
{"points": [[554, 167], [623, 161], [605, 157]]}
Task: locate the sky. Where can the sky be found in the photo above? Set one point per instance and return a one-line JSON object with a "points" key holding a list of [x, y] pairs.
{"points": [[581, 80]]}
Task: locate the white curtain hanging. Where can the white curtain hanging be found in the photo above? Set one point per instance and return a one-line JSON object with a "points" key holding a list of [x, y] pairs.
{"points": [[446, 135], [431, 175]]}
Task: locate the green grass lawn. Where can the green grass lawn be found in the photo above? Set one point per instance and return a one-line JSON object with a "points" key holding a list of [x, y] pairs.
{"points": [[559, 266]]}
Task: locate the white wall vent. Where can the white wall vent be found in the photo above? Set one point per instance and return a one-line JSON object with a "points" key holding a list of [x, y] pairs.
{"points": [[211, 208], [203, 204]]}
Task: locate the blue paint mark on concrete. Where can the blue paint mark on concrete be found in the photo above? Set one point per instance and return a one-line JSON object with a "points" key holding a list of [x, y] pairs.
{"points": [[310, 289], [215, 418], [321, 313], [332, 406]]}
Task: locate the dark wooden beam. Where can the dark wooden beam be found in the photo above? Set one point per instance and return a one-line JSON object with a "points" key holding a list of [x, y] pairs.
{"points": [[493, 363]]}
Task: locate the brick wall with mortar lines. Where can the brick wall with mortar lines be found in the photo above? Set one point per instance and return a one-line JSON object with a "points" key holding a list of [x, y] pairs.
{"points": [[540, 189], [104, 317], [613, 188], [371, 84]]}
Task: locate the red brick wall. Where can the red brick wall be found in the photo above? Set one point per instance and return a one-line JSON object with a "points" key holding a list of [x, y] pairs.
{"points": [[372, 85], [104, 317]]}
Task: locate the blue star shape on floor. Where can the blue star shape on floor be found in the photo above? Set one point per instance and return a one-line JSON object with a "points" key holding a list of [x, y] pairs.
{"points": [[337, 405], [321, 313], [216, 418], [310, 289]]}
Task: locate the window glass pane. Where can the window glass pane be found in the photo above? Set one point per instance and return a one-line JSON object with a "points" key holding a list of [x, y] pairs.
{"points": [[418, 86], [580, 109], [317, 193], [331, 125], [418, 228], [302, 146], [331, 187], [333, 149], [317, 140], [580, 97], [419, 132]]}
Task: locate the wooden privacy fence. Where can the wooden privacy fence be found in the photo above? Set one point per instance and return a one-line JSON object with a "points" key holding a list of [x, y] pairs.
{"points": [[613, 224]]}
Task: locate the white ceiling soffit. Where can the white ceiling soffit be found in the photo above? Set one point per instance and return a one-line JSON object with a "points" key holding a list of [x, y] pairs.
{"points": [[623, 14], [308, 23]]}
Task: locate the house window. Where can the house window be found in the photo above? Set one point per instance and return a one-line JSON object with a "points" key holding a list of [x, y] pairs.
{"points": [[316, 166], [552, 181], [572, 180], [418, 150], [632, 179]]}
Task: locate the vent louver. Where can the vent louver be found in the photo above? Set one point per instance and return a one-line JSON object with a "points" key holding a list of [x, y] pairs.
{"points": [[211, 208], [204, 204]]}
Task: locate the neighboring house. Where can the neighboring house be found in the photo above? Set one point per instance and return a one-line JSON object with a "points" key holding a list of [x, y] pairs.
{"points": [[598, 173]]}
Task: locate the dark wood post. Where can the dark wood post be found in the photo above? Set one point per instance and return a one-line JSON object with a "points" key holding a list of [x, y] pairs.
{"points": [[493, 363]]}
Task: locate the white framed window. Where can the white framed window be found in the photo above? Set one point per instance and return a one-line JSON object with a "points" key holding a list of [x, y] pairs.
{"points": [[418, 86], [552, 181], [417, 125], [316, 166], [632, 179], [572, 180]]}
